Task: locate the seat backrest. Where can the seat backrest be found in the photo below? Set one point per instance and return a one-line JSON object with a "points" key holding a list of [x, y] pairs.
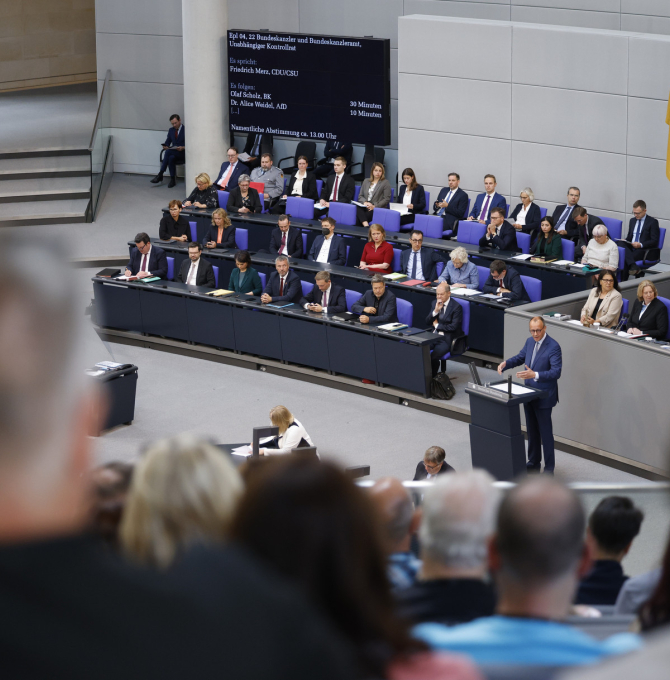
{"points": [[465, 305], [346, 262], [389, 219], [523, 242], [666, 302], [431, 225], [216, 275], [472, 232], [464, 230], [357, 192], [614, 226], [223, 199], [428, 206], [194, 231], [568, 249], [170, 264], [661, 238], [533, 287], [307, 149], [405, 311], [484, 273], [306, 286], [624, 306], [396, 259], [439, 268], [353, 296], [543, 213], [302, 208], [242, 238], [260, 188], [622, 257], [261, 275], [319, 186], [304, 243], [344, 213]]}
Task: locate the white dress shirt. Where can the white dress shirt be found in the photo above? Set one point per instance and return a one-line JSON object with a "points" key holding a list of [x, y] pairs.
{"points": [[521, 217], [407, 198], [325, 249], [297, 185], [148, 256], [333, 197], [192, 276], [325, 294]]}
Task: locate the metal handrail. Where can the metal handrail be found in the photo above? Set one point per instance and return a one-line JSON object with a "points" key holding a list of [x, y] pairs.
{"points": [[579, 487], [108, 75]]}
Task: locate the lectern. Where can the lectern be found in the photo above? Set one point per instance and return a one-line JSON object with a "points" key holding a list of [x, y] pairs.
{"points": [[496, 441]]}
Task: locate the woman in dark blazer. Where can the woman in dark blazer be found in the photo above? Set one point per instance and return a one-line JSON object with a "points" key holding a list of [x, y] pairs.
{"points": [[548, 244], [244, 278], [649, 315], [221, 233], [526, 216], [243, 198], [416, 202], [302, 184]]}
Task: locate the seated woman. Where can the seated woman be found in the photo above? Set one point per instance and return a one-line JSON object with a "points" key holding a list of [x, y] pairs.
{"points": [[204, 195], [526, 216], [601, 251], [375, 193], [411, 195], [302, 185], [459, 272], [377, 254], [221, 233], [604, 302], [549, 241], [291, 433], [649, 315], [244, 279], [433, 464], [174, 227], [243, 198]]}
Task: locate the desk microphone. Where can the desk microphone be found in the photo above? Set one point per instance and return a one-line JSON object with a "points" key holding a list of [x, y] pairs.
{"points": [[509, 385]]}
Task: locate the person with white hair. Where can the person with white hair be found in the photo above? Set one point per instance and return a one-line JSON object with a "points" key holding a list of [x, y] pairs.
{"points": [[526, 217], [459, 272], [459, 513], [601, 251]]}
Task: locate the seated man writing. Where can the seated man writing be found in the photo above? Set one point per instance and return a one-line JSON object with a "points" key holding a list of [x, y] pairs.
{"points": [[146, 260]]}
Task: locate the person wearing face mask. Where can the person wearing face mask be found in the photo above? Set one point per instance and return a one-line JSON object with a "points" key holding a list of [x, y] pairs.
{"points": [[649, 315], [272, 177], [327, 247], [302, 184]]}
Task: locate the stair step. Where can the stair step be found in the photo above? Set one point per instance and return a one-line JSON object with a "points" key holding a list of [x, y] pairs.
{"points": [[33, 153], [43, 167], [43, 212], [44, 189]]}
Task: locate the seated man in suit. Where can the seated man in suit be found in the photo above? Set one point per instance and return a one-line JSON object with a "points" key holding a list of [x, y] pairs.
{"points": [[376, 306], [505, 281], [325, 297], [331, 151], [418, 263], [230, 171], [284, 240], [451, 204], [283, 285], [484, 203], [273, 179], [643, 235], [327, 247], [174, 151], [585, 224], [445, 321], [256, 145], [500, 234], [433, 464], [339, 187], [146, 260], [195, 271], [565, 225]]}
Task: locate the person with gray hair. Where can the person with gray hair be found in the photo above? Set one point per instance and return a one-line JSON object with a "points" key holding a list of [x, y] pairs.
{"points": [[459, 272], [458, 519], [433, 464], [376, 306], [282, 285], [244, 198], [526, 217], [537, 556], [601, 251], [445, 321]]}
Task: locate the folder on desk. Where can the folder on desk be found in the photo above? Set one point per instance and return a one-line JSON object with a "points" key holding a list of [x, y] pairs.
{"points": [[288, 304], [390, 327], [412, 282], [220, 292], [395, 276]]}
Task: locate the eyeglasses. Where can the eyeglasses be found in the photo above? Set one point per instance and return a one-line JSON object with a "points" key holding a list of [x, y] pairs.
{"points": [[437, 466], [231, 155], [416, 240]]}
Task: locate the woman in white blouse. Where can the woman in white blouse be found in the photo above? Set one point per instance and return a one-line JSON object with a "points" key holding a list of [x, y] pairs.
{"points": [[291, 432], [302, 184], [601, 251], [375, 193], [526, 216]]}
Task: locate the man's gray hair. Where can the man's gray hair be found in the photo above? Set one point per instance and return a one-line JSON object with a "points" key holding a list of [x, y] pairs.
{"points": [[459, 514], [281, 258], [377, 278]]}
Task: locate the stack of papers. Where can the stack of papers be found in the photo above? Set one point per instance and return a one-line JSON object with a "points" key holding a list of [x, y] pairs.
{"points": [[399, 207], [623, 334], [491, 296], [219, 292], [467, 292], [577, 322], [516, 389], [522, 257], [392, 326], [242, 451], [563, 262], [395, 276]]}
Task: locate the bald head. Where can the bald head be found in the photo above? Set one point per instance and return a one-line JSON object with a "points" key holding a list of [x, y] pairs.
{"points": [[395, 509]]}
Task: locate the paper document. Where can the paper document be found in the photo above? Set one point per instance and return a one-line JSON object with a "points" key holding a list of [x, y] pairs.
{"points": [[399, 207], [605, 330], [242, 451], [360, 205], [108, 364], [395, 276], [623, 334], [243, 156], [564, 262], [393, 326], [576, 322], [516, 389], [467, 292], [491, 296], [522, 257]]}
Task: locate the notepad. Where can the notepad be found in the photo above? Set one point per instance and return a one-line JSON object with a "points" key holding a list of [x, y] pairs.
{"points": [[149, 279], [521, 257], [220, 292], [395, 276], [467, 292], [564, 262], [242, 451], [491, 296], [393, 326]]}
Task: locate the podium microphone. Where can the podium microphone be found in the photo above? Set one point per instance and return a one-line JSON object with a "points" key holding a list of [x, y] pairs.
{"points": [[509, 385]]}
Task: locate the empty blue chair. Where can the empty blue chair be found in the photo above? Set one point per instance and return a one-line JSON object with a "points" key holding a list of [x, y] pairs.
{"points": [[346, 262], [460, 343], [343, 213], [389, 219], [319, 186], [405, 311], [170, 263], [431, 225], [622, 261], [396, 259], [301, 208], [242, 238], [216, 276], [484, 273], [428, 206], [470, 231], [439, 267], [624, 307], [194, 231], [357, 191], [304, 244], [392, 194], [644, 263], [613, 226], [353, 296], [666, 302], [543, 213], [568, 249], [261, 276], [223, 199], [523, 242], [533, 287], [306, 286]]}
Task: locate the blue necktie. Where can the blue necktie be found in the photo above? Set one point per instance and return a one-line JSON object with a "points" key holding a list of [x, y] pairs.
{"points": [[636, 235], [414, 265], [447, 199], [532, 360], [564, 216]]}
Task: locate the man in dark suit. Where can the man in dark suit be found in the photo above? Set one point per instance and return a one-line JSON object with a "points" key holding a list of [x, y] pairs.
{"points": [[433, 464], [644, 237], [584, 224], [195, 271], [332, 150], [451, 204], [283, 285], [376, 306], [230, 171], [257, 144], [328, 248], [174, 151], [563, 222], [146, 260], [484, 203], [339, 187], [284, 240], [418, 263], [445, 321], [542, 363], [325, 297], [505, 281], [500, 234]]}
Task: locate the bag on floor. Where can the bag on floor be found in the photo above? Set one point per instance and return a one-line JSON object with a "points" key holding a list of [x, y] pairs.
{"points": [[441, 387]]}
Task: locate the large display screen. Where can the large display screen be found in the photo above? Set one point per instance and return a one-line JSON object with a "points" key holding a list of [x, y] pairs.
{"points": [[313, 87]]}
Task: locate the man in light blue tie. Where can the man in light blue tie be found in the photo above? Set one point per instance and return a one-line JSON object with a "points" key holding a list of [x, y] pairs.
{"points": [[451, 205], [565, 225], [643, 239], [542, 360]]}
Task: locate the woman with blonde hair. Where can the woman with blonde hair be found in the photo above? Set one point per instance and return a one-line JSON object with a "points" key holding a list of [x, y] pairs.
{"points": [[183, 493], [649, 315], [204, 195], [375, 193], [221, 233], [377, 253], [291, 433], [459, 272]]}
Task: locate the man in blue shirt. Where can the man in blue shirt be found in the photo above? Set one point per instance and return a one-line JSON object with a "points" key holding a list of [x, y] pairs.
{"points": [[537, 556]]}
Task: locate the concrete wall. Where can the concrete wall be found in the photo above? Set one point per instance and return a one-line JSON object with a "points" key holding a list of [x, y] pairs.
{"points": [[46, 42], [542, 106]]}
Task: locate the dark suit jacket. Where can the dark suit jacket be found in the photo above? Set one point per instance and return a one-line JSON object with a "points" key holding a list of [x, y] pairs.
{"points": [[337, 253], [533, 219], [345, 190], [654, 321], [235, 200], [512, 281], [267, 142], [337, 299], [334, 149], [649, 238], [251, 284], [386, 309], [552, 250], [505, 240], [429, 260], [418, 199], [497, 201], [548, 363], [240, 169], [292, 287], [421, 473], [293, 241], [569, 225], [227, 238], [585, 233], [174, 139], [157, 262], [204, 277], [602, 584], [450, 319], [308, 186], [168, 227], [455, 211]]}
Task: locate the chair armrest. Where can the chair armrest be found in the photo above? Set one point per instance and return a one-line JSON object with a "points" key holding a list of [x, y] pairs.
{"points": [[353, 165], [285, 159], [160, 160], [459, 344]]}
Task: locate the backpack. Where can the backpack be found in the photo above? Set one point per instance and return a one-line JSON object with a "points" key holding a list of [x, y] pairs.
{"points": [[441, 387]]}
